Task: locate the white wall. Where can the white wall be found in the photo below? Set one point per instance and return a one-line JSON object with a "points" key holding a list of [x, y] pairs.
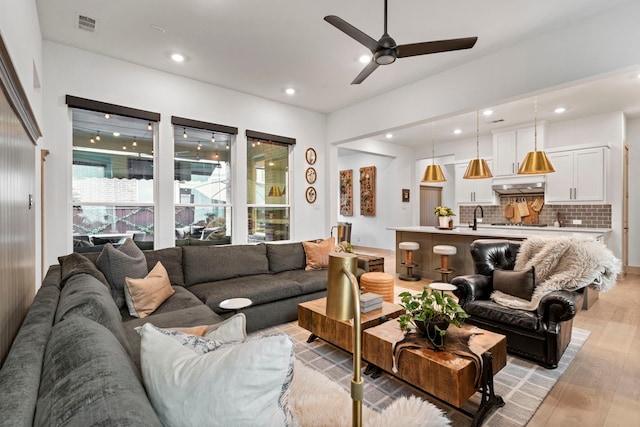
{"points": [[80, 73], [394, 171]]}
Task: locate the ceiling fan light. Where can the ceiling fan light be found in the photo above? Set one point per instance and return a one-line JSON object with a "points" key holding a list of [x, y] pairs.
{"points": [[478, 169], [433, 173], [536, 162], [385, 56]]}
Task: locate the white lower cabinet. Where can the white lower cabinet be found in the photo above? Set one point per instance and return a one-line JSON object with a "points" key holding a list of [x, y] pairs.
{"points": [[579, 176]]}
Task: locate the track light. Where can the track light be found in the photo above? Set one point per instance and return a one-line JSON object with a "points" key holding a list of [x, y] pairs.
{"points": [[227, 146], [213, 138], [199, 146], [134, 143], [184, 133], [149, 127], [97, 135], [93, 141], [124, 146]]}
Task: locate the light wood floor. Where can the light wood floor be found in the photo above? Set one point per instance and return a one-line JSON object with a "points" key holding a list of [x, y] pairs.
{"points": [[601, 387]]}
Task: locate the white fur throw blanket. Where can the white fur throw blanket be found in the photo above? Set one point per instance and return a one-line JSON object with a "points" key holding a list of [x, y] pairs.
{"points": [[564, 263], [320, 402]]}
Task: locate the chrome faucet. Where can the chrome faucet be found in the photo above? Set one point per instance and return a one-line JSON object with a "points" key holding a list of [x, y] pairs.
{"points": [[475, 219]]}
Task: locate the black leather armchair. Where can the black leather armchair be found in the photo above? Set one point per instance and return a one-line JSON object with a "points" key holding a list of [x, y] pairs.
{"points": [[541, 335]]}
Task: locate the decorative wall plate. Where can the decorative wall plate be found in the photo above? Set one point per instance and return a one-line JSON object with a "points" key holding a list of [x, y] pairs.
{"points": [[311, 156], [311, 194], [310, 175]]}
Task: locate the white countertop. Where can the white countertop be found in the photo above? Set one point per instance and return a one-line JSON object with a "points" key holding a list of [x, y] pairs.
{"points": [[506, 231]]}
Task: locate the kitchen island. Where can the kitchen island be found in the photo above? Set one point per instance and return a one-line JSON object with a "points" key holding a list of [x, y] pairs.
{"points": [[462, 236]]}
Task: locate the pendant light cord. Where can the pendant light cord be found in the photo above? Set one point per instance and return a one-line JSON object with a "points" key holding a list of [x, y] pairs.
{"points": [[535, 123], [433, 144], [477, 134]]}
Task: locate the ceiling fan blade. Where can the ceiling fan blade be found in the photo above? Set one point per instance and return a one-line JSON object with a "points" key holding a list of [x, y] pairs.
{"points": [[424, 48], [352, 32], [370, 68]]}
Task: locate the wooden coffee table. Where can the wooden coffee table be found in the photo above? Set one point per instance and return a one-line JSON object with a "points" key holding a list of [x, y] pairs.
{"points": [[312, 316], [439, 373]]}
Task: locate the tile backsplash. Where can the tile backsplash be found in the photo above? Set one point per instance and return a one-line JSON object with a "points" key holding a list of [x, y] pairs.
{"points": [[592, 216]]}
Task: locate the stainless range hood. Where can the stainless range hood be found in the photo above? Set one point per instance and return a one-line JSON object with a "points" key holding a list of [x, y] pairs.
{"points": [[518, 188]]}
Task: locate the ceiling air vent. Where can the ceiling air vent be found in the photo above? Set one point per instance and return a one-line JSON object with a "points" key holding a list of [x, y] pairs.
{"points": [[498, 121], [86, 23]]}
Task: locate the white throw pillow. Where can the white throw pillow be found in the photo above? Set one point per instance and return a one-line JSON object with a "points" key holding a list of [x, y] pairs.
{"points": [[234, 384]]}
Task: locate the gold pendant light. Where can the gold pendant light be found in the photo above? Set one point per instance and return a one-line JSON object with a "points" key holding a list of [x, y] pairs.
{"points": [[535, 161], [433, 172], [478, 168]]}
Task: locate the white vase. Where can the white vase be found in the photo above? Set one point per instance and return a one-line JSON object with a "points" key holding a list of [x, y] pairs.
{"points": [[444, 221]]}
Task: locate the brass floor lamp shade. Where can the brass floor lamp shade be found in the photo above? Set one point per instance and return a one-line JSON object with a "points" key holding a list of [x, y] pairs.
{"points": [[343, 303], [535, 161], [478, 168]]}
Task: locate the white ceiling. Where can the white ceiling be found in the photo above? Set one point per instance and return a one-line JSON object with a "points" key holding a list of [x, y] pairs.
{"points": [[261, 47]]}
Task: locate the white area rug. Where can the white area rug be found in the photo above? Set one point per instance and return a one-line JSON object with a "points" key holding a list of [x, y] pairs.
{"points": [[522, 384]]}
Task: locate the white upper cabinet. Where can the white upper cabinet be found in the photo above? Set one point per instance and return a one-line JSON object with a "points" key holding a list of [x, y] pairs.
{"points": [[510, 147], [579, 176], [473, 191]]}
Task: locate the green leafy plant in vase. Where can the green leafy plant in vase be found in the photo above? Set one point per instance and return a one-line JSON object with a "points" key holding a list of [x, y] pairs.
{"points": [[431, 313], [444, 215]]}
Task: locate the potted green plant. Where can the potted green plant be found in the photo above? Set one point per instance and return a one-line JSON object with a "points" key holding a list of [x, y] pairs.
{"points": [[431, 313], [444, 214]]}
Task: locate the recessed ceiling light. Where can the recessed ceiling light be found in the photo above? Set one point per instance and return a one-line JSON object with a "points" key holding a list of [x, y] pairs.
{"points": [[457, 131], [116, 134], [487, 112], [559, 110], [177, 57], [290, 91], [389, 136], [365, 59]]}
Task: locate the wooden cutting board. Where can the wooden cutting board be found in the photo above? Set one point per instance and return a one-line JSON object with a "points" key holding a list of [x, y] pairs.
{"points": [[532, 218]]}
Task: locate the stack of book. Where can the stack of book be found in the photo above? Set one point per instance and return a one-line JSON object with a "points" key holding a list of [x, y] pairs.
{"points": [[370, 301]]}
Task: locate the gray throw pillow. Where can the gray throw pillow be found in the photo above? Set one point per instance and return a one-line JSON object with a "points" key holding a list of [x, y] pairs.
{"points": [[116, 264], [515, 283]]}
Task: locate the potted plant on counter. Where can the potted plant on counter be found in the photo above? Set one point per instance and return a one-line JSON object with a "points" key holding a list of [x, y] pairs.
{"points": [[431, 313], [444, 215]]}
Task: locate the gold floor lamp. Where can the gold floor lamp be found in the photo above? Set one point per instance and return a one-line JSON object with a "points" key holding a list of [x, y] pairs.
{"points": [[343, 303]]}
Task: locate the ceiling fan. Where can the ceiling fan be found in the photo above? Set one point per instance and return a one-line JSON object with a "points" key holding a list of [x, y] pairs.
{"points": [[385, 51]]}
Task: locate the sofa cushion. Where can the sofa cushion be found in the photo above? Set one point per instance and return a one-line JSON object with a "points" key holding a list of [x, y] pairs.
{"points": [[86, 376], [286, 256], [260, 289], [84, 296], [191, 316], [497, 313], [116, 264], [143, 296], [171, 259], [251, 378], [232, 329], [180, 299], [21, 370], [515, 283], [210, 263], [318, 253], [74, 263], [309, 280]]}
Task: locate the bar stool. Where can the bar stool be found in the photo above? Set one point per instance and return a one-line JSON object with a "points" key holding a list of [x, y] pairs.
{"points": [[378, 283], [444, 251], [409, 247]]}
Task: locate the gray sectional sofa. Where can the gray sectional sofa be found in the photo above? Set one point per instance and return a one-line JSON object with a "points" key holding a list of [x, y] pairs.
{"points": [[75, 360]]}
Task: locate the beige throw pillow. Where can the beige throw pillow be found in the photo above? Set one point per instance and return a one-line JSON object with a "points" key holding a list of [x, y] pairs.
{"points": [[318, 253], [143, 296]]}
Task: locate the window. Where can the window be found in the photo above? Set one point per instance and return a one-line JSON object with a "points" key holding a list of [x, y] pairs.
{"points": [[112, 179], [267, 190], [202, 184]]}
